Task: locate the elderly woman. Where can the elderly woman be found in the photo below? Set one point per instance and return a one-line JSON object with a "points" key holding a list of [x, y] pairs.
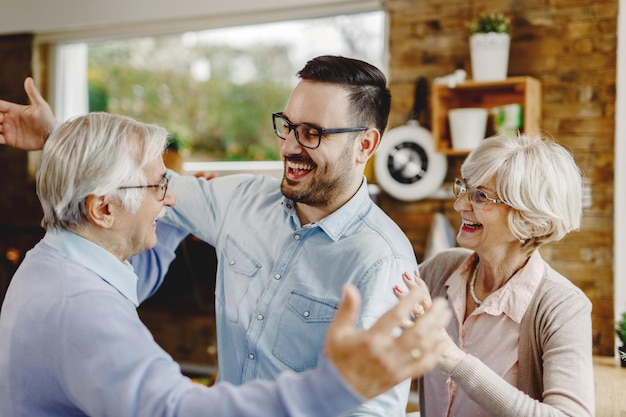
{"points": [[519, 343]]}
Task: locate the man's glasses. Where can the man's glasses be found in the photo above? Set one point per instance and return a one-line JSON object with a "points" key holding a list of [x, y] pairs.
{"points": [[306, 135], [161, 188], [478, 198]]}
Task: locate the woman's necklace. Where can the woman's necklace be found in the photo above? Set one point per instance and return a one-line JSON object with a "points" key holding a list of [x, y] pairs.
{"points": [[472, 282], [475, 275]]}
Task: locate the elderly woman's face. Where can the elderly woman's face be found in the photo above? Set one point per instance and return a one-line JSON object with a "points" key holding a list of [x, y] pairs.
{"points": [[484, 221]]}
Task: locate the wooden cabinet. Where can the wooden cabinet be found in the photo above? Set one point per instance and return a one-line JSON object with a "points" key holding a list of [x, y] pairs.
{"points": [[523, 90]]}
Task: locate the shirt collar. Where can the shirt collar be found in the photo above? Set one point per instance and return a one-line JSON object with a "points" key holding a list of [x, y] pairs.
{"points": [[336, 223], [512, 299], [119, 275]]}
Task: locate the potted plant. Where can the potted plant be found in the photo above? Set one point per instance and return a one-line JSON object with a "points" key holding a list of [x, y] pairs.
{"points": [[490, 38], [173, 157], [620, 330]]}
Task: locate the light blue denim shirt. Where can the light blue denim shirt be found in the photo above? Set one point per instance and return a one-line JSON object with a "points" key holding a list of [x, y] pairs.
{"points": [[279, 282], [72, 344]]}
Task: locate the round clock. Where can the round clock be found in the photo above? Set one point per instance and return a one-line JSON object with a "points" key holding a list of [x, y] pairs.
{"points": [[406, 164]]}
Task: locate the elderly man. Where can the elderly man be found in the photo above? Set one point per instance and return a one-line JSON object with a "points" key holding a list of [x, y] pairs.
{"points": [[71, 342]]}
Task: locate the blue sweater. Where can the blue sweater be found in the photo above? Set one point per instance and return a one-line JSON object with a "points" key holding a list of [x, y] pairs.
{"points": [[72, 344]]}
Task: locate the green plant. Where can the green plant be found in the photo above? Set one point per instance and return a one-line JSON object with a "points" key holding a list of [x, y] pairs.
{"points": [[176, 143], [490, 22], [620, 329]]}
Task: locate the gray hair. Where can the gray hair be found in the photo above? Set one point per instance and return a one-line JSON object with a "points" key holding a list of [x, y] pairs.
{"points": [[535, 176], [94, 154]]}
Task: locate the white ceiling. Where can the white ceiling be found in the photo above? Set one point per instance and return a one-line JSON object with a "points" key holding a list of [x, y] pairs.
{"points": [[75, 19]]}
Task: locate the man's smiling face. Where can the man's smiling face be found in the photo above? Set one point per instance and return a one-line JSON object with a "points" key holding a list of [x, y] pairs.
{"points": [[319, 177]]}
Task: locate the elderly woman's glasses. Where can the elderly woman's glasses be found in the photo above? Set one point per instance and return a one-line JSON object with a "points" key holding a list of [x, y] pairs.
{"points": [[161, 188], [306, 135], [477, 197]]}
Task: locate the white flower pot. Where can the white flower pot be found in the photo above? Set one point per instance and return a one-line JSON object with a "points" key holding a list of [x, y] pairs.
{"points": [[467, 127], [489, 53]]}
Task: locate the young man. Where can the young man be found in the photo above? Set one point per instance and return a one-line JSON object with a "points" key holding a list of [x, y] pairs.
{"points": [[71, 342], [286, 248]]}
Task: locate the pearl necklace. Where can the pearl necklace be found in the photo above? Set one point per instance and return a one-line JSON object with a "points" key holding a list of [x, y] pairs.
{"points": [[472, 282]]}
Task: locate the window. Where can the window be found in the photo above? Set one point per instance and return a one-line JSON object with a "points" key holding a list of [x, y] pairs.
{"points": [[215, 90]]}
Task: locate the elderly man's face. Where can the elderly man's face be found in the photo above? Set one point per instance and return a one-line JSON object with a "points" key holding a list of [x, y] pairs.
{"points": [[139, 228]]}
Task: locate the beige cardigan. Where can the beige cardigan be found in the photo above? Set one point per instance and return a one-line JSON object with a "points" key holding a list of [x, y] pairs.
{"points": [[555, 350]]}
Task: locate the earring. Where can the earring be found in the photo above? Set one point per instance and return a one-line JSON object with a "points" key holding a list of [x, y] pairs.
{"points": [[522, 241]]}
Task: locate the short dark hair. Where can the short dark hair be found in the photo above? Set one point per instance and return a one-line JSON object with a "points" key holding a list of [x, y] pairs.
{"points": [[370, 98]]}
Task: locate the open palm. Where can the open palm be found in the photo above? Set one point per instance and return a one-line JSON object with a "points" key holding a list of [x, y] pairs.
{"points": [[26, 126]]}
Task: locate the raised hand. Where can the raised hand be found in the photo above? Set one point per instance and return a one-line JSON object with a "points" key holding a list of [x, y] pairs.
{"points": [[26, 126], [451, 355], [373, 361]]}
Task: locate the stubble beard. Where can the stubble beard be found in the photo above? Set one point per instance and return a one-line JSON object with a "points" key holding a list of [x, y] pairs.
{"points": [[324, 187]]}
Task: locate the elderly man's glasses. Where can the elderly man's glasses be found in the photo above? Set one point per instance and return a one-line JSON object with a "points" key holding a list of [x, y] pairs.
{"points": [[477, 197], [306, 135], [161, 188]]}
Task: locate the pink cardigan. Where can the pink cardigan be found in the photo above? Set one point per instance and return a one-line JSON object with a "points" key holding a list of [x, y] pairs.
{"points": [[555, 350]]}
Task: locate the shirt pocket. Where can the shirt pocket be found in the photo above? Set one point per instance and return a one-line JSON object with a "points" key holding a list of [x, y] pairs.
{"points": [[302, 330], [240, 269]]}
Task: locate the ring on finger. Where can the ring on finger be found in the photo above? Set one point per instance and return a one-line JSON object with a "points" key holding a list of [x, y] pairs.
{"points": [[419, 310], [415, 353], [407, 323]]}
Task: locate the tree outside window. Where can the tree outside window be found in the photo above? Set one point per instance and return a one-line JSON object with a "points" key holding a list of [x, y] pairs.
{"points": [[215, 90]]}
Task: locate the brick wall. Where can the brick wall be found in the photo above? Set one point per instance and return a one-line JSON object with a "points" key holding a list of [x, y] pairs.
{"points": [[570, 46]]}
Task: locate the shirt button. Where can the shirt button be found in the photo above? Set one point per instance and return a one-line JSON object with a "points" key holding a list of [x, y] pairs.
{"points": [[250, 355], [259, 316], [277, 276], [297, 237], [258, 266], [232, 262], [306, 313], [289, 206]]}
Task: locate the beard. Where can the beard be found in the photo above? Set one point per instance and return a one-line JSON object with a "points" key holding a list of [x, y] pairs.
{"points": [[325, 184]]}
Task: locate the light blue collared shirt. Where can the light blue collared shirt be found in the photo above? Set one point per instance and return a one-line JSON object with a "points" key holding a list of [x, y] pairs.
{"points": [[279, 282]]}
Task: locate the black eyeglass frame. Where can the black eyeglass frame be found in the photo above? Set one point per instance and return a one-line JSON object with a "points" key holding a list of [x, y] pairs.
{"points": [[476, 196], [163, 186], [320, 131]]}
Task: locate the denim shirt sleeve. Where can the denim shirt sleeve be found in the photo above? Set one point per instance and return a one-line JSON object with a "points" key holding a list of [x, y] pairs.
{"points": [[201, 204], [151, 265], [377, 297]]}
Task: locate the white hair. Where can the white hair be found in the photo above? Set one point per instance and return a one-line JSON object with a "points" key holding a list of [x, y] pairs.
{"points": [[94, 154], [535, 176]]}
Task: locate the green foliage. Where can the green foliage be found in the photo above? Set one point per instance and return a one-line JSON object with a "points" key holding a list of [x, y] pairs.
{"points": [[220, 119], [176, 142], [620, 330], [97, 97], [490, 22]]}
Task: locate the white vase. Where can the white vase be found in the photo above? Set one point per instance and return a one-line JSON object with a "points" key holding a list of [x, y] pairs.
{"points": [[489, 53], [467, 127]]}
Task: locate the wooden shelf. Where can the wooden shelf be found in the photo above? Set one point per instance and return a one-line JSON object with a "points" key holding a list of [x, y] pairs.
{"points": [[523, 90]]}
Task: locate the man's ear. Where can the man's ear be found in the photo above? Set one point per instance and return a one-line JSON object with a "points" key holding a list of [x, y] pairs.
{"points": [[368, 142], [100, 211]]}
